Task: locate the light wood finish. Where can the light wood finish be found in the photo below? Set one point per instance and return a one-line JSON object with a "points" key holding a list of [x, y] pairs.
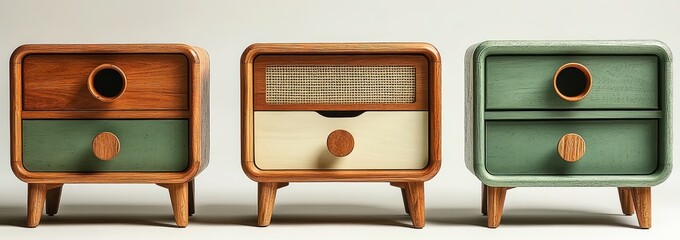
{"points": [[52, 201], [642, 200], [164, 81], [382, 140], [91, 79], [418, 61], [266, 195], [105, 146], [413, 194], [36, 201], [584, 70], [340, 143], [495, 199], [626, 199], [179, 197], [571, 147], [154, 82]]}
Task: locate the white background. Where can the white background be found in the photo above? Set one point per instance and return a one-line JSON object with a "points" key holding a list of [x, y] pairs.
{"points": [[226, 198]]}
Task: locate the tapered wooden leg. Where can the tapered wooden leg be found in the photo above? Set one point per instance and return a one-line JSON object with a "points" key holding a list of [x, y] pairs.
{"points": [[483, 199], [405, 200], [413, 194], [626, 199], [402, 187], [37, 192], [266, 195], [179, 197], [642, 200], [53, 199], [192, 204], [36, 202], [494, 203]]}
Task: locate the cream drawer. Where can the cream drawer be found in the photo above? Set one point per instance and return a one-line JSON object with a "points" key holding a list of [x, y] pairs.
{"points": [[382, 140]]}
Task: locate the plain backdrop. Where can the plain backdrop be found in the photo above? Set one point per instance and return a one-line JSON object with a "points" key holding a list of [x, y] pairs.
{"points": [[226, 198]]}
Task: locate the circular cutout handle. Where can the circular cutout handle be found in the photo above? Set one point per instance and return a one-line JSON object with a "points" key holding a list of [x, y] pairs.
{"points": [[105, 146], [572, 81], [340, 143], [107, 82], [571, 147]]}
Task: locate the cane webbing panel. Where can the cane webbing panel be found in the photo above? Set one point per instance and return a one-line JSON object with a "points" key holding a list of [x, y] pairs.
{"points": [[328, 84]]}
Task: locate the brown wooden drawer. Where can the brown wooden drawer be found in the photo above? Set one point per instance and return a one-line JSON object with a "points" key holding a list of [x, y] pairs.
{"points": [[59, 82]]}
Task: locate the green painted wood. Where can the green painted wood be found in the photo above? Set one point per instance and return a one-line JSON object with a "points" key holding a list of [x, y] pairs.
{"points": [[612, 147], [475, 95], [526, 82], [66, 145], [537, 115]]}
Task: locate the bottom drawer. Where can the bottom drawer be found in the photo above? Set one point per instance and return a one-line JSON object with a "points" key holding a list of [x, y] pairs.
{"points": [[382, 140], [66, 145], [612, 147]]}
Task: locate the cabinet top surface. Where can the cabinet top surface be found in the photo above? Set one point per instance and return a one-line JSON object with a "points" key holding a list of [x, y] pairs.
{"points": [[543, 47]]}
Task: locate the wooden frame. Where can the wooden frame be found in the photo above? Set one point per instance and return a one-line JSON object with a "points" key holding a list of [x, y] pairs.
{"points": [[406, 179], [197, 114]]}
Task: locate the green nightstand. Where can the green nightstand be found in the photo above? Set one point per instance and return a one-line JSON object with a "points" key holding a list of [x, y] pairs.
{"points": [[569, 114]]}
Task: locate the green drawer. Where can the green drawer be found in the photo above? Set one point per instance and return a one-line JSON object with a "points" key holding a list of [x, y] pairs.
{"points": [[66, 145], [613, 147], [526, 82]]}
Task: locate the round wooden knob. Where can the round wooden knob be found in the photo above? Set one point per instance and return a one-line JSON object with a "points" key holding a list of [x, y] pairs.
{"points": [[340, 143], [107, 82], [105, 146], [572, 81], [571, 147]]}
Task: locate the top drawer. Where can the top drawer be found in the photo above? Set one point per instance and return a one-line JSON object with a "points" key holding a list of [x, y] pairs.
{"points": [[63, 82], [617, 82]]}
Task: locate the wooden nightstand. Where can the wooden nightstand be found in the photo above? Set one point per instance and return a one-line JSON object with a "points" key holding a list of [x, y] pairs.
{"points": [[340, 113], [108, 114], [569, 114]]}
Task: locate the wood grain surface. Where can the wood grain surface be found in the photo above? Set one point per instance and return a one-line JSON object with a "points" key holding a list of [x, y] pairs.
{"points": [[526, 82], [105, 146], [60, 82], [571, 147]]}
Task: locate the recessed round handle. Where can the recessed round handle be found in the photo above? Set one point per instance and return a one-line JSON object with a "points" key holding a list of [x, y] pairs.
{"points": [[571, 147], [340, 143], [572, 81], [107, 82], [105, 146]]}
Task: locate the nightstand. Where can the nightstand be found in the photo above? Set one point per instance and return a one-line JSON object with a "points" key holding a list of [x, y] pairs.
{"points": [[117, 113], [569, 114], [346, 112]]}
